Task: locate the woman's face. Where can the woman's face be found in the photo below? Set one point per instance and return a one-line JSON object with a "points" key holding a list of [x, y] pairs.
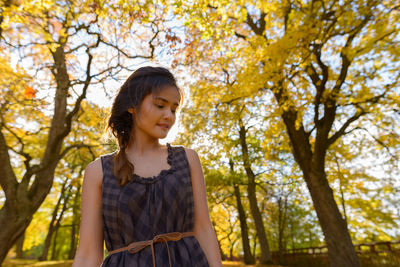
{"points": [[156, 114]]}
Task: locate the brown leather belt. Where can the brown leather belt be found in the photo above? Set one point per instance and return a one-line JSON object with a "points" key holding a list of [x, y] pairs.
{"points": [[137, 246]]}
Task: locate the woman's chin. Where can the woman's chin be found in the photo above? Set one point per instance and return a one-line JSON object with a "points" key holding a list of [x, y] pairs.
{"points": [[161, 135]]}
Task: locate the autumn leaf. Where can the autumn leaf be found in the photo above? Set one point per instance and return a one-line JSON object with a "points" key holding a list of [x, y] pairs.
{"points": [[29, 92]]}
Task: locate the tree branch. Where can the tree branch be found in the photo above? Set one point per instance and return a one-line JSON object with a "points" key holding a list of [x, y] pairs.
{"points": [[21, 152], [257, 27], [321, 141], [241, 36], [382, 144], [150, 43], [67, 149], [8, 180], [342, 129], [343, 54], [6, 4], [299, 138]]}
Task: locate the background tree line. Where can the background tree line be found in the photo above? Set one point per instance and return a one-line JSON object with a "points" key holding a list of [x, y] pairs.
{"points": [[293, 107]]}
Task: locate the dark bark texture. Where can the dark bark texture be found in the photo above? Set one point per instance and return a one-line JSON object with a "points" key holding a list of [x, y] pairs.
{"points": [[266, 257], [248, 257]]}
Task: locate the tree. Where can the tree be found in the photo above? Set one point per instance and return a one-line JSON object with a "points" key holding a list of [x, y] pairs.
{"points": [[360, 192], [228, 126], [326, 66], [266, 257], [55, 221], [68, 46], [248, 257]]}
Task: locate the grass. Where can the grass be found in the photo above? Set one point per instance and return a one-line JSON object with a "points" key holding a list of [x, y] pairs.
{"points": [[68, 263], [19, 262], [241, 264]]}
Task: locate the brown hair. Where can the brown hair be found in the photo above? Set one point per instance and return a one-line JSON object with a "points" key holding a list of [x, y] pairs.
{"points": [[143, 81]]}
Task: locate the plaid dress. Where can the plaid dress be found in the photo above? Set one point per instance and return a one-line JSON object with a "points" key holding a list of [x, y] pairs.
{"points": [[146, 207]]}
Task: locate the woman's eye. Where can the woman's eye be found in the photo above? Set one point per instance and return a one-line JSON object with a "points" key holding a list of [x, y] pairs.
{"points": [[160, 106]]}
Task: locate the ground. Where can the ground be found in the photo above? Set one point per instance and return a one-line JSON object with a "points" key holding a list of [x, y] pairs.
{"points": [[14, 263]]}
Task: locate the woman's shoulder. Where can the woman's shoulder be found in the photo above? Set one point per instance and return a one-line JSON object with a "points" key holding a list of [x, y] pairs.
{"points": [[94, 172], [94, 166], [103, 161], [107, 155], [189, 151], [191, 154]]}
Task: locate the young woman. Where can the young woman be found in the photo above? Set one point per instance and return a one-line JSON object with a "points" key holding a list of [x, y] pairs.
{"points": [[146, 201]]}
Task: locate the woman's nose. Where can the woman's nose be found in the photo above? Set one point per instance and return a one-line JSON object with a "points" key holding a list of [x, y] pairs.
{"points": [[168, 114]]}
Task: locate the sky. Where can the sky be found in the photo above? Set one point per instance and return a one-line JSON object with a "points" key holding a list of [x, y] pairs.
{"points": [[97, 94]]}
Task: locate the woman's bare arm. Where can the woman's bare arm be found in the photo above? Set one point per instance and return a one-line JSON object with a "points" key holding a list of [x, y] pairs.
{"points": [[91, 241], [203, 228]]}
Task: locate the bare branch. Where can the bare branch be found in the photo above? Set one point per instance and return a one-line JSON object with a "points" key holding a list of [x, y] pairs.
{"points": [[342, 129], [343, 54], [150, 43], [38, 131], [241, 36], [286, 17], [67, 149], [21, 152], [381, 144], [257, 27], [361, 112], [70, 115], [322, 140]]}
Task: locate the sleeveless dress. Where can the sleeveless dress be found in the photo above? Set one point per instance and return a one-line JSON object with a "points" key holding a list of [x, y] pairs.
{"points": [[146, 207]]}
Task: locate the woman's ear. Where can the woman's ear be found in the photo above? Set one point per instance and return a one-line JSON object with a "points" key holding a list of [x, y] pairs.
{"points": [[131, 110]]}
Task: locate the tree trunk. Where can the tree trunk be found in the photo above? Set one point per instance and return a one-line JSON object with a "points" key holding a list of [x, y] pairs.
{"points": [[50, 232], [311, 160], [254, 246], [25, 197], [341, 179], [20, 247], [66, 196], [11, 232], [340, 248], [75, 223], [72, 246], [259, 224], [292, 235], [266, 257], [54, 248], [282, 211], [223, 256], [248, 258]]}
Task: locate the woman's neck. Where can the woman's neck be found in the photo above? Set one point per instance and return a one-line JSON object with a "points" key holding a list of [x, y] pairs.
{"points": [[140, 146]]}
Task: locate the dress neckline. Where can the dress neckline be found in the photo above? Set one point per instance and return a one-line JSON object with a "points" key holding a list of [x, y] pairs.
{"points": [[163, 173]]}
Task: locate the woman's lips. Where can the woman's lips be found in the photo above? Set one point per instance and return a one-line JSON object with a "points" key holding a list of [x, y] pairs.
{"points": [[164, 126]]}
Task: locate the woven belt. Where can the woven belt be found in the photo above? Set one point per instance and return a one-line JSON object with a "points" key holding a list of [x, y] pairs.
{"points": [[137, 246]]}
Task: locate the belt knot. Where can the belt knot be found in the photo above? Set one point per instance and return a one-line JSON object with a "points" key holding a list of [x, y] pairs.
{"points": [[139, 245]]}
